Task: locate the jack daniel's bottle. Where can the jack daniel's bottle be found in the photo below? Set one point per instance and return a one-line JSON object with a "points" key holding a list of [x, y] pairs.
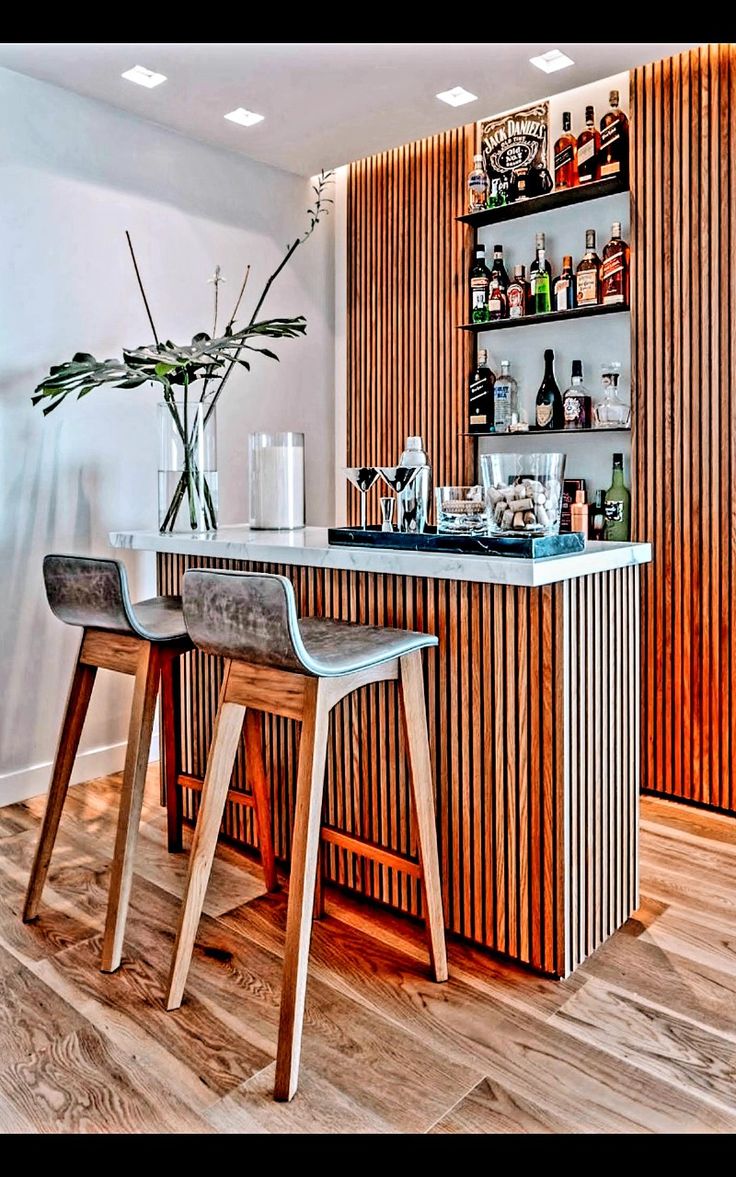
{"points": [[480, 396]]}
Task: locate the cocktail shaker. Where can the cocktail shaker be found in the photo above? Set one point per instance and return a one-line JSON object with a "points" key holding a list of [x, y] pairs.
{"points": [[414, 500]]}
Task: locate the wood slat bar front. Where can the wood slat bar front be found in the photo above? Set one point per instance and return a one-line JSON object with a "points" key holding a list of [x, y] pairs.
{"points": [[532, 705]]}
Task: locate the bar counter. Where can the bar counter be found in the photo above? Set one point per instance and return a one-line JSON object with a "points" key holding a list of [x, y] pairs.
{"points": [[533, 709]]}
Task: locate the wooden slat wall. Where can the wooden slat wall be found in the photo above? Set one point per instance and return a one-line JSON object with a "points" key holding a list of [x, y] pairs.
{"points": [[684, 347], [407, 263], [520, 806]]}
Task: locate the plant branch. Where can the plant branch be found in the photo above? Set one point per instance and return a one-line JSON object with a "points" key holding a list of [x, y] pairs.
{"points": [[237, 304], [140, 285]]}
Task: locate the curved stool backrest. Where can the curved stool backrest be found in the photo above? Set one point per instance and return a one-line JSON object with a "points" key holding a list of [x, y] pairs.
{"points": [[83, 590], [247, 616]]}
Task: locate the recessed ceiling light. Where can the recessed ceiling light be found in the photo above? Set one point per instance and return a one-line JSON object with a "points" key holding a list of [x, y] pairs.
{"points": [[246, 118], [551, 61], [144, 77], [457, 96]]}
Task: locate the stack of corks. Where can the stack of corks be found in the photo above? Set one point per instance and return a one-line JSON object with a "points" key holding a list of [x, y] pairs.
{"points": [[525, 505]]}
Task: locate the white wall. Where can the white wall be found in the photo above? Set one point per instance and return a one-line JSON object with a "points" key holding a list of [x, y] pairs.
{"points": [[74, 174]]}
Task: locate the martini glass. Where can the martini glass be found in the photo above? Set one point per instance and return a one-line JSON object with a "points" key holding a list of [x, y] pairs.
{"points": [[398, 478], [362, 478]]}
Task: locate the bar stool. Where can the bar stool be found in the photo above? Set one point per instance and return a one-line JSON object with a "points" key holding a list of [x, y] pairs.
{"points": [[145, 640], [298, 669]]}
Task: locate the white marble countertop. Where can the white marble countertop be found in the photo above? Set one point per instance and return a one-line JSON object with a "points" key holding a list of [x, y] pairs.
{"points": [[310, 547]]}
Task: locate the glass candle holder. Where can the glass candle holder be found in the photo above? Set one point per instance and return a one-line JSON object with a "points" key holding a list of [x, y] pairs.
{"points": [[461, 510], [524, 492], [276, 481]]}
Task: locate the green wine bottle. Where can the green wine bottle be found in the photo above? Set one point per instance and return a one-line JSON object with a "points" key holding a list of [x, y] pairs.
{"points": [[541, 286], [617, 504]]}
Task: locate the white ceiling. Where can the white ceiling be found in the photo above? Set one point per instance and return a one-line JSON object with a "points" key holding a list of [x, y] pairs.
{"points": [[324, 104]]}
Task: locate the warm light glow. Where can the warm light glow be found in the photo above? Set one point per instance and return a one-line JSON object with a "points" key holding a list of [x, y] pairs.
{"points": [[144, 77], [457, 96], [551, 61], [245, 118]]}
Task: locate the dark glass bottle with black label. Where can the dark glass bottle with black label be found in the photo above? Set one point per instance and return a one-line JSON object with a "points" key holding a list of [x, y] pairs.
{"points": [[480, 396], [480, 280], [614, 149], [498, 269], [589, 145], [549, 410], [564, 292]]}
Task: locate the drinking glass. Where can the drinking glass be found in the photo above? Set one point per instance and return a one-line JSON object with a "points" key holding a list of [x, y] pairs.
{"points": [[362, 478]]}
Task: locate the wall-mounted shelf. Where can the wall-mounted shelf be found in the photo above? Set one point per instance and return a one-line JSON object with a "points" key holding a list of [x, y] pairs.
{"points": [[552, 317], [546, 432], [540, 204]]}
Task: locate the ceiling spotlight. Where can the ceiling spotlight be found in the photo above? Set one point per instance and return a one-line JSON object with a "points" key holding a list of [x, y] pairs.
{"points": [[144, 77], [457, 96], [551, 61], [246, 118]]}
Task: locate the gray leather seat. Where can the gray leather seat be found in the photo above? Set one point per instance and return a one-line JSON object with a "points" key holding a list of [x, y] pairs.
{"points": [[252, 617], [93, 593]]}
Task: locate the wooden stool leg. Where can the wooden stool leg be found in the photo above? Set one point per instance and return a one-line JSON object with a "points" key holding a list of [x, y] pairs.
{"points": [[420, 767], [77, 703], [225, 742], [305, 846], [319, 886], [258, 781], [170, 710], [131, 801]]}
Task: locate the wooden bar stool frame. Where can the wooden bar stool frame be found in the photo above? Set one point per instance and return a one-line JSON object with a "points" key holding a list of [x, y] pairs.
{"points": [[251, 688]]}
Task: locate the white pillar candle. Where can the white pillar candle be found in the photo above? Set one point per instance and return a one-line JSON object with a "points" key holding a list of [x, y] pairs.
{"points": [[276, 481]]}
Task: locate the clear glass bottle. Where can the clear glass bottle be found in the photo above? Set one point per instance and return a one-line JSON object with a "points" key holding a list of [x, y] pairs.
{"points": [[617, 504], [477, 186], [505, 398], [611, 412]]}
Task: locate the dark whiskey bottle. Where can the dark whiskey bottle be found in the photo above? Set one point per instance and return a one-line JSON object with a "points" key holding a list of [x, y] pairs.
{"points": [[480, 280], [498, 269], [614, 150], [564, 290], [549, 411], [480, 396], [589, 144], [615, 269], [566, 156]]}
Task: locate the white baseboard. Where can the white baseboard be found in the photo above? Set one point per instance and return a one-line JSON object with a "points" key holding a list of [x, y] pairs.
{"points": [[32, 781]]}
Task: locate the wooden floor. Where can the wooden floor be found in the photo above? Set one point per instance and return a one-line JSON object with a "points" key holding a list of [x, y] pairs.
{"points": [[641, 1039]]}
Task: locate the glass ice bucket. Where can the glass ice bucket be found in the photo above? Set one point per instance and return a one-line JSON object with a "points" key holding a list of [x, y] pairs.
{"points": [[524, 492]]}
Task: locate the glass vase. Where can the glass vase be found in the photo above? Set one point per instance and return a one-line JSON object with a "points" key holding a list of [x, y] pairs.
{"points": [[187, 468]]}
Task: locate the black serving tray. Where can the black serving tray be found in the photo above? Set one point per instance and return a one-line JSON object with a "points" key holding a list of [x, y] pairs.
{"points": [[527, 547]]}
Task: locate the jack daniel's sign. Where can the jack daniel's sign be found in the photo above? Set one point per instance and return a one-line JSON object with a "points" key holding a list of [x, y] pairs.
{"points": [[514, 148]]}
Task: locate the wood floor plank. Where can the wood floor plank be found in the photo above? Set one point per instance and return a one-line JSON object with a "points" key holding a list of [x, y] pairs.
{"points": [[491, 1108], [79, 1085], [32, 1016], [689, 820]]}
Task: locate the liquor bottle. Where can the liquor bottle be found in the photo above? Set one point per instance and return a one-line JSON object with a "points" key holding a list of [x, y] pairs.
{"points": [[549, 412], [480, 396], [498, 307], [477, 186], [498, 269], [597, 528], [589, 143], [614, 153], [480, 280], [566, 156], [564, 290], [587, 276], [518, 294], [505, 399], [579, 513], [541, 298], [615, 269], [534, 267], [617, 503], [577, 401]]}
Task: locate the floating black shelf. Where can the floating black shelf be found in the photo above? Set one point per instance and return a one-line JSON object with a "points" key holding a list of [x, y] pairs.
{"points": [[545, 432], [553, 317], [543, 204]]}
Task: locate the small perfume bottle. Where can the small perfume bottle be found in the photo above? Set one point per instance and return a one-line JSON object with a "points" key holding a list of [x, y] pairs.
{"points": [[612, 412]]}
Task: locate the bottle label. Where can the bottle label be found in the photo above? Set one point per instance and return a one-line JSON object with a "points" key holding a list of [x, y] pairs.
{"points": [[479, 292], [611, 135], [562, 294], [478, 388], [564, 157], [573, 408], [587, 287], [613, 264], [494, 305], [478, 419], [614, 510], [502, 392], [516, 302], [586, 151], [544, 415]]}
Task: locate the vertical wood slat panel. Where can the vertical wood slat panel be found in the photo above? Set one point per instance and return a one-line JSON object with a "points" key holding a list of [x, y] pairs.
{"points": [[684, 358], [407, 364], [527, 855]]}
